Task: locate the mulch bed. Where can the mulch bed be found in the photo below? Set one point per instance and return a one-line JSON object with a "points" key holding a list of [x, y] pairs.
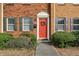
{"points": [[73, 51], [17, 52]]}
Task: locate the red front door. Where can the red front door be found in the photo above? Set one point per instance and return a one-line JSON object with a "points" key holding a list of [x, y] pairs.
{"points": [[43, 28]]}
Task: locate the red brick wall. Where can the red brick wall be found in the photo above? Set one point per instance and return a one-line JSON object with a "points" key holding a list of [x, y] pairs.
{"points": [[24, 10], [67, 10]]}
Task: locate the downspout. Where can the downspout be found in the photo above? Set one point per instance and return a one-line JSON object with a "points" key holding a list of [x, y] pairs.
{"points": [[49, 12]]}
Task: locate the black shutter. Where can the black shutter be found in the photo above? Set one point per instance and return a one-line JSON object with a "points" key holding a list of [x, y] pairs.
{"points": [[4, 23], [15, 24], [20, 23]]}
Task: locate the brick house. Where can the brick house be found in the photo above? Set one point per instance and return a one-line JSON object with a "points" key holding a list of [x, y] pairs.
{"points": [[40, 18]]}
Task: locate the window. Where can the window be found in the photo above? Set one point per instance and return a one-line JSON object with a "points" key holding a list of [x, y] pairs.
{"points": [[26, 24], [75, 24], [8, 24], [60, 24]]}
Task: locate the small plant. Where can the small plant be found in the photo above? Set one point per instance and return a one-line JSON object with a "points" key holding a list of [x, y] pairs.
{"points": [[4, 38], [33, 40], [63, 39], [31, 36], [76, 34]]}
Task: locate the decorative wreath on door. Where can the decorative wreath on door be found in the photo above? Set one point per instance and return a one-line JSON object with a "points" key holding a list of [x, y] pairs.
{"points": [[43, 23]]}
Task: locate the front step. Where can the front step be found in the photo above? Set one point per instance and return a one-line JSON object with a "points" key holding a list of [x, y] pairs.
{"points": [[43, 40]]}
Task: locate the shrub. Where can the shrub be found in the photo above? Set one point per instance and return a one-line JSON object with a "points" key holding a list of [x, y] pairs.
{"points": [[11, 44], [63, 39], [4, 38], [31, 36], [33, 40], [76, 34], [22, 42]]}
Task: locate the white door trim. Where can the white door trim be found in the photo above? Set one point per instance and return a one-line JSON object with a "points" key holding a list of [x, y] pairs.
{"points": [[42, 15]]}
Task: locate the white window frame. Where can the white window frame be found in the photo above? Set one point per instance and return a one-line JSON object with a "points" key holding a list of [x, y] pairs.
{"points": [[61, 29], [7, 25], [73, 29], [25, 24], [73, 25], [61, 24]]}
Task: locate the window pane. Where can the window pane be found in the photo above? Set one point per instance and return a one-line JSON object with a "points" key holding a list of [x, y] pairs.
{"points": [[61, 27], [76, 27], [75, 21], [11, 21], [26, 20], [61, 23], [61, 20], [10, 27], [26, 27]]}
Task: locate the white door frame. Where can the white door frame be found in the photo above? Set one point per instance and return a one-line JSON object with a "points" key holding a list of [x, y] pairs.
{"points": [[42, 15]]}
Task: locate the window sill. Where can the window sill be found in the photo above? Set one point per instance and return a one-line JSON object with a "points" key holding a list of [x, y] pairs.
{"points": [[60, 30], [8, 31], [74, 30]]}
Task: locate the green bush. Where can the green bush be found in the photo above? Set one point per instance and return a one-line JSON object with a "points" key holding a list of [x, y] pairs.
{"points": [[76, 34], [31, 36], [63, 39], [4, 38], [25, 40], [33, 40], [22, 42], [11, 44]]}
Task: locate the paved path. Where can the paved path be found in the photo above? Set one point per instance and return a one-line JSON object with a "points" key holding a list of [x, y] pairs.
{"points": [[44, 49]]}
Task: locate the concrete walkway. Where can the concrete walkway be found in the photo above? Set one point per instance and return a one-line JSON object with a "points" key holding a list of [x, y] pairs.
{"points": [[45, 49]]}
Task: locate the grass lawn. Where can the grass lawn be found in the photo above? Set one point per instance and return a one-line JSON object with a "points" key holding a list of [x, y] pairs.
{"points": [[17, 52], [73, 51]]}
